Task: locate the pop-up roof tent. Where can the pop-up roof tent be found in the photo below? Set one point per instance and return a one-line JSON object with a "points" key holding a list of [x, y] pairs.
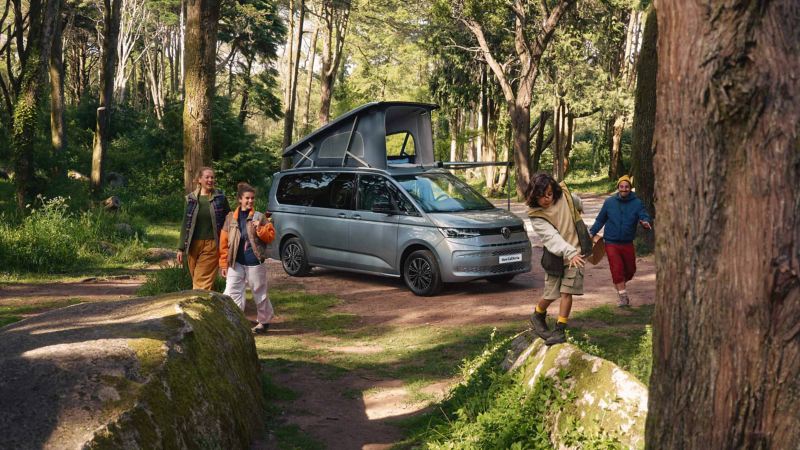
{"points": [[377, 135]]}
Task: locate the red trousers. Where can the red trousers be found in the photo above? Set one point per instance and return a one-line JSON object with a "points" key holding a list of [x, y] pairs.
{"points": [[622, 261]]}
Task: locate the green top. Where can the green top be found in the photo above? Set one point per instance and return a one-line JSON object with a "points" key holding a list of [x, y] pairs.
{"points": [[204, 228]]}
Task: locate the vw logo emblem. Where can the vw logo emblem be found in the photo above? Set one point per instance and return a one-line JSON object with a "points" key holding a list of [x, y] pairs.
{"points": [[506, 232]]}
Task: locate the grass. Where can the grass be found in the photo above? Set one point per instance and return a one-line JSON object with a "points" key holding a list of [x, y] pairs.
{"points": [[10, 314], [583, 182], [163, 235]]}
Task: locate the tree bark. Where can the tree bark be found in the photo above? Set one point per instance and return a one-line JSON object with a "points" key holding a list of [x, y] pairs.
{"points": [[28, 102], [310, 69], [335, 17], [111, 19], [288, 116], [57, 131], [726, 341], [644, 115], [202, 18], [614, 128]]}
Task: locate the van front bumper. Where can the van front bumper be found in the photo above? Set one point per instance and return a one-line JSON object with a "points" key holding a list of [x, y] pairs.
{"points": [[469, 262]]}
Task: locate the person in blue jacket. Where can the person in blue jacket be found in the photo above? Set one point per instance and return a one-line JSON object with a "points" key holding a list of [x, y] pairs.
{"points": [[620, 214]]}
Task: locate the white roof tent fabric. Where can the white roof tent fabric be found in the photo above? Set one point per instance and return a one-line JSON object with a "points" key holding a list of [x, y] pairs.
{"points": [[358, 137]]}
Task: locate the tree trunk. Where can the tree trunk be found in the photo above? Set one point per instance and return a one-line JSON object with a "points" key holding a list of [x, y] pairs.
{"points": [[57, 131], [288, 116], [726, 341], [614, 128], [310, 69], [540, 144], [28, 102], [202, 18], [111, 18], [335, 15], [644, 117], [247, 83], [520, 115]]}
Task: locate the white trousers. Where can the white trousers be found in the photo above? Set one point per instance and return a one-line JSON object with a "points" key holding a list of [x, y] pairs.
{"points": [[256, 278]]}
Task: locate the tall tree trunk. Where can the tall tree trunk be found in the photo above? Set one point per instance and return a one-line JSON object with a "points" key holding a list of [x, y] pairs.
{"points": [[726, 341], [202, 18], [310, 69], [644, 117], [247, 83], [57, 132], [28, 102], [614, 128], [540, 144], [335, 16], [288, 116], [111, 18]]}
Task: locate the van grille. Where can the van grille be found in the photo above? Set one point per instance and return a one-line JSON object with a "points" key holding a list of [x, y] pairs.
{"points": [[500, 268], [495, 231]]}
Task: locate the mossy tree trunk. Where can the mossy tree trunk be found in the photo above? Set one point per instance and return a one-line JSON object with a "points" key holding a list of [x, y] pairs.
{"points": [[112, 10], [58, 136], [726, 369], [28, 101], [335, 17], [202, 19]]}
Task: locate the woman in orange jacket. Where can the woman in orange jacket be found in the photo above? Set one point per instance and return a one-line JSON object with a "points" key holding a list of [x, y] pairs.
{"points": [[242, 255]]}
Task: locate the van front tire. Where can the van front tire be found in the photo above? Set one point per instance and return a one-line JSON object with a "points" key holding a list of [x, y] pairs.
{"points": [[421, 273], [294, 259]]}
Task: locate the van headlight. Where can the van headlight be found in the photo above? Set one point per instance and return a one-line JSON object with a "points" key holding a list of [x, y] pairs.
{"points": [[460, 233]]}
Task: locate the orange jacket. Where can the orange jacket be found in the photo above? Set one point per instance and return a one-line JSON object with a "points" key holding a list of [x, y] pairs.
{"points": [[259, 230]]}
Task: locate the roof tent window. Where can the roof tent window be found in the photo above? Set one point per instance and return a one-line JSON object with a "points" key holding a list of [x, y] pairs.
{"points": [[400, 148], [334, 146]]}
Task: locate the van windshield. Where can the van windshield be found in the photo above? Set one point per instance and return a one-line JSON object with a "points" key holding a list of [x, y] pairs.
{"points": [[442, 192]]}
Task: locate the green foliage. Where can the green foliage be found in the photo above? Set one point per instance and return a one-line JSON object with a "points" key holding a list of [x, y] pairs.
{"points": [[53, 239], [172, 278]]}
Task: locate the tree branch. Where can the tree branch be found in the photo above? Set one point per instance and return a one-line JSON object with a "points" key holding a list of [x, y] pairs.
{"points": [[476, 30], [585, 113]]}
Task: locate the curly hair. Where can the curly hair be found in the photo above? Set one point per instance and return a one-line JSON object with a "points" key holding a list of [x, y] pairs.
{"points": [[538, 186]]}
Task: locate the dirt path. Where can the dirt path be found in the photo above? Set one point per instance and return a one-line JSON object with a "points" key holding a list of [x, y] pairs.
{"points": [[89, 289], [340, 420]]}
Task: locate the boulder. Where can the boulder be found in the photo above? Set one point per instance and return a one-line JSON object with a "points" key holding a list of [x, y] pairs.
{"points": [[173, 371], [75, 175], [158, 254], [111, 203], [606, 401], [114, 179]]}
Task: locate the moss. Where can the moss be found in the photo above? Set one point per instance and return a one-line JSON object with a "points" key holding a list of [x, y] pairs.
{"points": [[202, 387]]}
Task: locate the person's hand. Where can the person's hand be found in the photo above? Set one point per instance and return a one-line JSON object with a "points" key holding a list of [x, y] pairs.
{"points": [[577, 261], [223, 272], [180, 257], [596, 238], [645, 225]]}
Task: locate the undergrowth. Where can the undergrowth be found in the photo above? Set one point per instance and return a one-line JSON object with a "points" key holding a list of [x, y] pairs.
{"points": [[172, 278]]}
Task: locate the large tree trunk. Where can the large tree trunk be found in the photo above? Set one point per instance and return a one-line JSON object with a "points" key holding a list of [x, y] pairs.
{"points": [[644, 118], [247, 84], [310, 72], [28, 102], [202, 18], [57, 131], [520, 115], [726, 342], [335, 16], [614, 128], [111, 18]]}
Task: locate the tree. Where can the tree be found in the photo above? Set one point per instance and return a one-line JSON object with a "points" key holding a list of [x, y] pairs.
{"points": [[33, 77], [533, 28], [294, 63], [58, 136], [726, 341], [335, 19], [644, 115], [111, 17], [202, 18]]}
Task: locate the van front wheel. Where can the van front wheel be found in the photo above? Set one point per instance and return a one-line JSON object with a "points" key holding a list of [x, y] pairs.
{"points": [[421, 273], [293, 256]]}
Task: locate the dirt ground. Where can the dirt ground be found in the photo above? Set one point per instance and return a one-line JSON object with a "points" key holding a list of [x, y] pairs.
{"points": [[365, 422]]}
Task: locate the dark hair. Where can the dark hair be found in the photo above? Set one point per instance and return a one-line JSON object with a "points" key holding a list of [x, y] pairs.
{"points": [[538, 186], [243, 187]]}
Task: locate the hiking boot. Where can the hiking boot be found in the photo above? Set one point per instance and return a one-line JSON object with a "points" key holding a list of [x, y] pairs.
{"points": [[623, 301], [558, 335], [261, 328], [539, 325]]}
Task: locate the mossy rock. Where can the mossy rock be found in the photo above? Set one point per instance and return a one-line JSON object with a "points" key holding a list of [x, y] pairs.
{"points": [[605, 403], [173, 371]]}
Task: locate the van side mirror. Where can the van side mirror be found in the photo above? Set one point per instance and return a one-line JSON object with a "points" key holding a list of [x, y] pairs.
{"points": [[383, 208]]}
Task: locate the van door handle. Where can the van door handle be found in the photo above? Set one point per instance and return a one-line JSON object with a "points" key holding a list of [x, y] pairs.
{"points": [[356, 216]]}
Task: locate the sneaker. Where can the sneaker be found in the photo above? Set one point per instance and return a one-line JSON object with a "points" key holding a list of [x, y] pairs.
{"points": [[261, 328], [539, 325], [558, 335], [623, 301]]}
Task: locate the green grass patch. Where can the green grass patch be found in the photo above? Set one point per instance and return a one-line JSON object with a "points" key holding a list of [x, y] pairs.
{"points": [[163, 235], [10, 314], [288, 436], [583, 182], [172, 278]]}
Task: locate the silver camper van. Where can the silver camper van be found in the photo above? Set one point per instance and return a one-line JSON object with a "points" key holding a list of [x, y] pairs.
{"points": [[365, 195]]}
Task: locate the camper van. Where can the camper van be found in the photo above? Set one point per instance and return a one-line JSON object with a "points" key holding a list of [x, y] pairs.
{"points": [[364, 194]]}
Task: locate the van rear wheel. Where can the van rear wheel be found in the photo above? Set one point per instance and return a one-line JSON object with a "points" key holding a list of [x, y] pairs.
{"points": [[421, 273], [293, 256]]}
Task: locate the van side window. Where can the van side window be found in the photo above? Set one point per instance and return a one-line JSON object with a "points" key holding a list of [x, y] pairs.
{"points": [[322, 190], [374, 189]]}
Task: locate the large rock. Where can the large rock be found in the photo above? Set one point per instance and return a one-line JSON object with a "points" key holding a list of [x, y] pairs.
{"points": [[174, 371], [606, 401]]}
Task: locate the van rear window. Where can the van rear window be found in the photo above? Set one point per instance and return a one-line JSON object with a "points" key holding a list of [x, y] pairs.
{"points": [[318, 189]]}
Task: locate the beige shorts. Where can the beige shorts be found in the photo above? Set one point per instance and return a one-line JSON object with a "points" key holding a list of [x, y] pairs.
{"points": [[570, 283]]}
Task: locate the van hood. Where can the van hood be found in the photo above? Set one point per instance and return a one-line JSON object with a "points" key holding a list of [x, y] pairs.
{"points": [[490, 218]]}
